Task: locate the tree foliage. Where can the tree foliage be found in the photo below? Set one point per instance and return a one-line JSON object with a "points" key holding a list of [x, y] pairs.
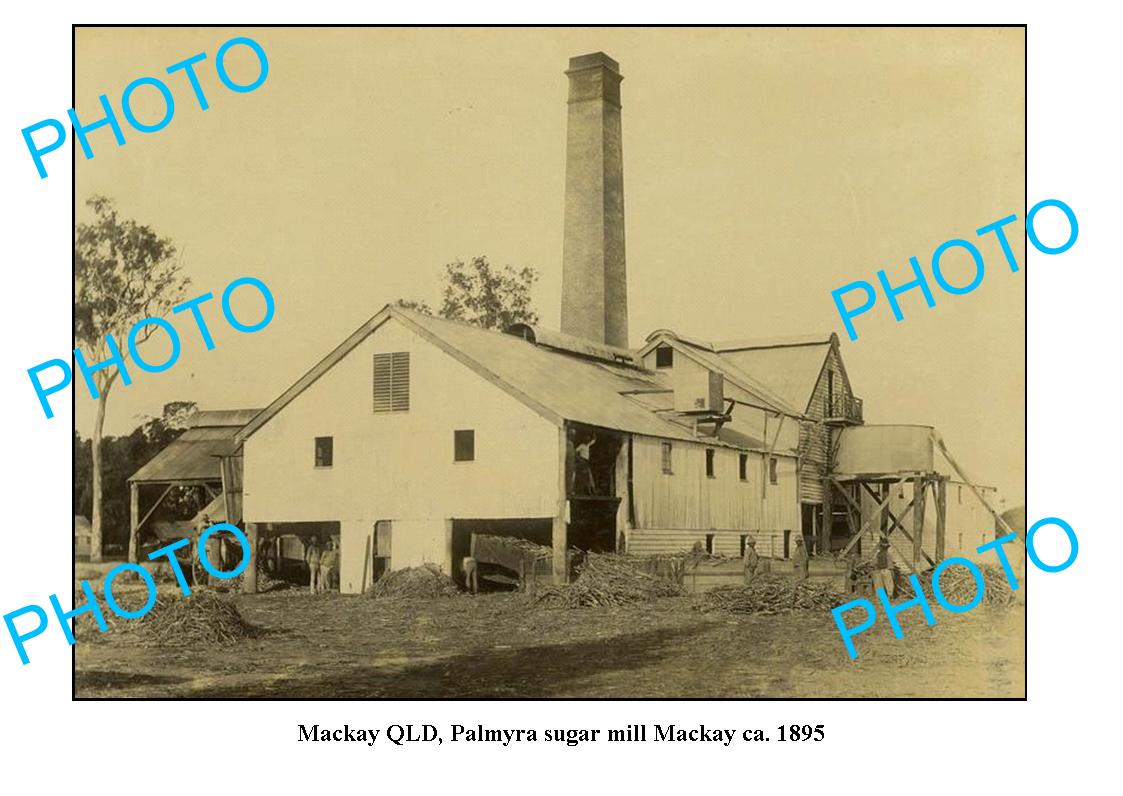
{"points": [[477, 293], [124, 273]]}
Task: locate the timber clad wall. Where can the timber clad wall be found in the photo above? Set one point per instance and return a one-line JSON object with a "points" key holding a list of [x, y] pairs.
{"points": [[814, 438], [674, 511]]}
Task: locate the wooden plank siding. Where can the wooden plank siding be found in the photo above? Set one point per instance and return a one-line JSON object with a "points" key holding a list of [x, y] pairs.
{"points": [[675, 510], [814, 435]]}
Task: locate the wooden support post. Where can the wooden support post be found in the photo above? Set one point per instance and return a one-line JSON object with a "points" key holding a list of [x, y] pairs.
{"points": [[919, 492], [827, 525], [941, 487], [878, 512], [134, 519], [939, 442], [249, 575], [560, 531], [885, 493]]}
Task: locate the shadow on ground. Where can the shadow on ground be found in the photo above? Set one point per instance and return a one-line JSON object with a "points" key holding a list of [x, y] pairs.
{"points": [[529, 672], [101, 679]]}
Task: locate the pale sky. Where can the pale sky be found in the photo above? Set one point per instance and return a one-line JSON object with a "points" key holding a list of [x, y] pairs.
{"points": [[762, 169]]}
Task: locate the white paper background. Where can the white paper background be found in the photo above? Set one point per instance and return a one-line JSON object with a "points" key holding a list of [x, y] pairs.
{"points": [[1061, 737]]}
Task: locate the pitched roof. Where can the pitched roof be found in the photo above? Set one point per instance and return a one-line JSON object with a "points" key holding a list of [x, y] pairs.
{"points": [[559, 385], [792, 371]]}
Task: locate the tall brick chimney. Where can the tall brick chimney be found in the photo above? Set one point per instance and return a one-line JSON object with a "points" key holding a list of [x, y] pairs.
{"points": [[594, 284]]}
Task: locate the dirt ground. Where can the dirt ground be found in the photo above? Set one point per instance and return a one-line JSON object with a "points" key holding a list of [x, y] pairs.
{"points": [[499, 646]]}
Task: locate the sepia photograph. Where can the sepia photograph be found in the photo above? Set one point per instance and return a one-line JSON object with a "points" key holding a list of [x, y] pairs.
{"points": [[550, 362]]}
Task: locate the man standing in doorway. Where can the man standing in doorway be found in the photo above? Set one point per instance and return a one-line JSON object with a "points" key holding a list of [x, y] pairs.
{"points": [[312, 558], [329, 567], [585, 477]]}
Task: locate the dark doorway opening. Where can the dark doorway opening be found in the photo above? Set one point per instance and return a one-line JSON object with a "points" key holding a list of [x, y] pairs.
{"points": [[493, 577]]}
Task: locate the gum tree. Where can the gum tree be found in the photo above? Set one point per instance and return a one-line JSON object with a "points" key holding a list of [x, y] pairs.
{"points": [[123, 273], [481, 295]]}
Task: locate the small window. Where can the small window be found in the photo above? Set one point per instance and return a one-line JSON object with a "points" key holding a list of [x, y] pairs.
{"points": [[464, 445], [391, 382], [710, 462], [324, 451], [664, 357], [959, 494], [710, 543], [744, 543], [743, 469], [773, 477], [667, 458]]}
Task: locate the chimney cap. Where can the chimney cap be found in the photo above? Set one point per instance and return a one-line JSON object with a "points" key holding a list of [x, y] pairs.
{"points": [[579, 63]]}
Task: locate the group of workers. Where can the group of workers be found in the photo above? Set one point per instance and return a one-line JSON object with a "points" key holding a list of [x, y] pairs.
{"points": [[323, 566], [882, 577], [750, 561]]}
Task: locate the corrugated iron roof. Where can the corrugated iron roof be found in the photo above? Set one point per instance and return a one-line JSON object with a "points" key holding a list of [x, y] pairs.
{"points": [[567, 387], [193, 456], [556, 384], [791, 371], [774, 342]]}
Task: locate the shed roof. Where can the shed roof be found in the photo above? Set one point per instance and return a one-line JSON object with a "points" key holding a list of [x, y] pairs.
{"points": [[222, 417], [557, 384], [193, 456]]}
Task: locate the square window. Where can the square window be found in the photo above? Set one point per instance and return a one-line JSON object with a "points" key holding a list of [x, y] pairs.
{"points": [[743, 466], [664, 357], [667, 458], [710, 462], [464, 446], [324, 451]]}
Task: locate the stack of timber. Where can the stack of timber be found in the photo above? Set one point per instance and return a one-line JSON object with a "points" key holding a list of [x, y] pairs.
{"points": [[770, 594], [607, 579]]}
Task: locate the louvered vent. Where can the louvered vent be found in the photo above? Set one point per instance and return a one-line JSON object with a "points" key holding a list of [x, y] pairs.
{"points": [[391, 382]]}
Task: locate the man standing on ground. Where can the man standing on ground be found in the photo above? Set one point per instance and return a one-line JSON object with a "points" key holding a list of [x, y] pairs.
{"points": [[329, 567], [882, 574], [799, 559], [751, 560], [312, 557]]}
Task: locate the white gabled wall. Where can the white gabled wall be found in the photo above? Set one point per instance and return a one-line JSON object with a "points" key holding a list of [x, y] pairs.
{"points": [[399, 466], [753, 422]]}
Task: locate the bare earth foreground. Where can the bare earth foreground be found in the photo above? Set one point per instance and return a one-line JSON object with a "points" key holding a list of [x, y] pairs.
{"points": [[495, 645]]}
